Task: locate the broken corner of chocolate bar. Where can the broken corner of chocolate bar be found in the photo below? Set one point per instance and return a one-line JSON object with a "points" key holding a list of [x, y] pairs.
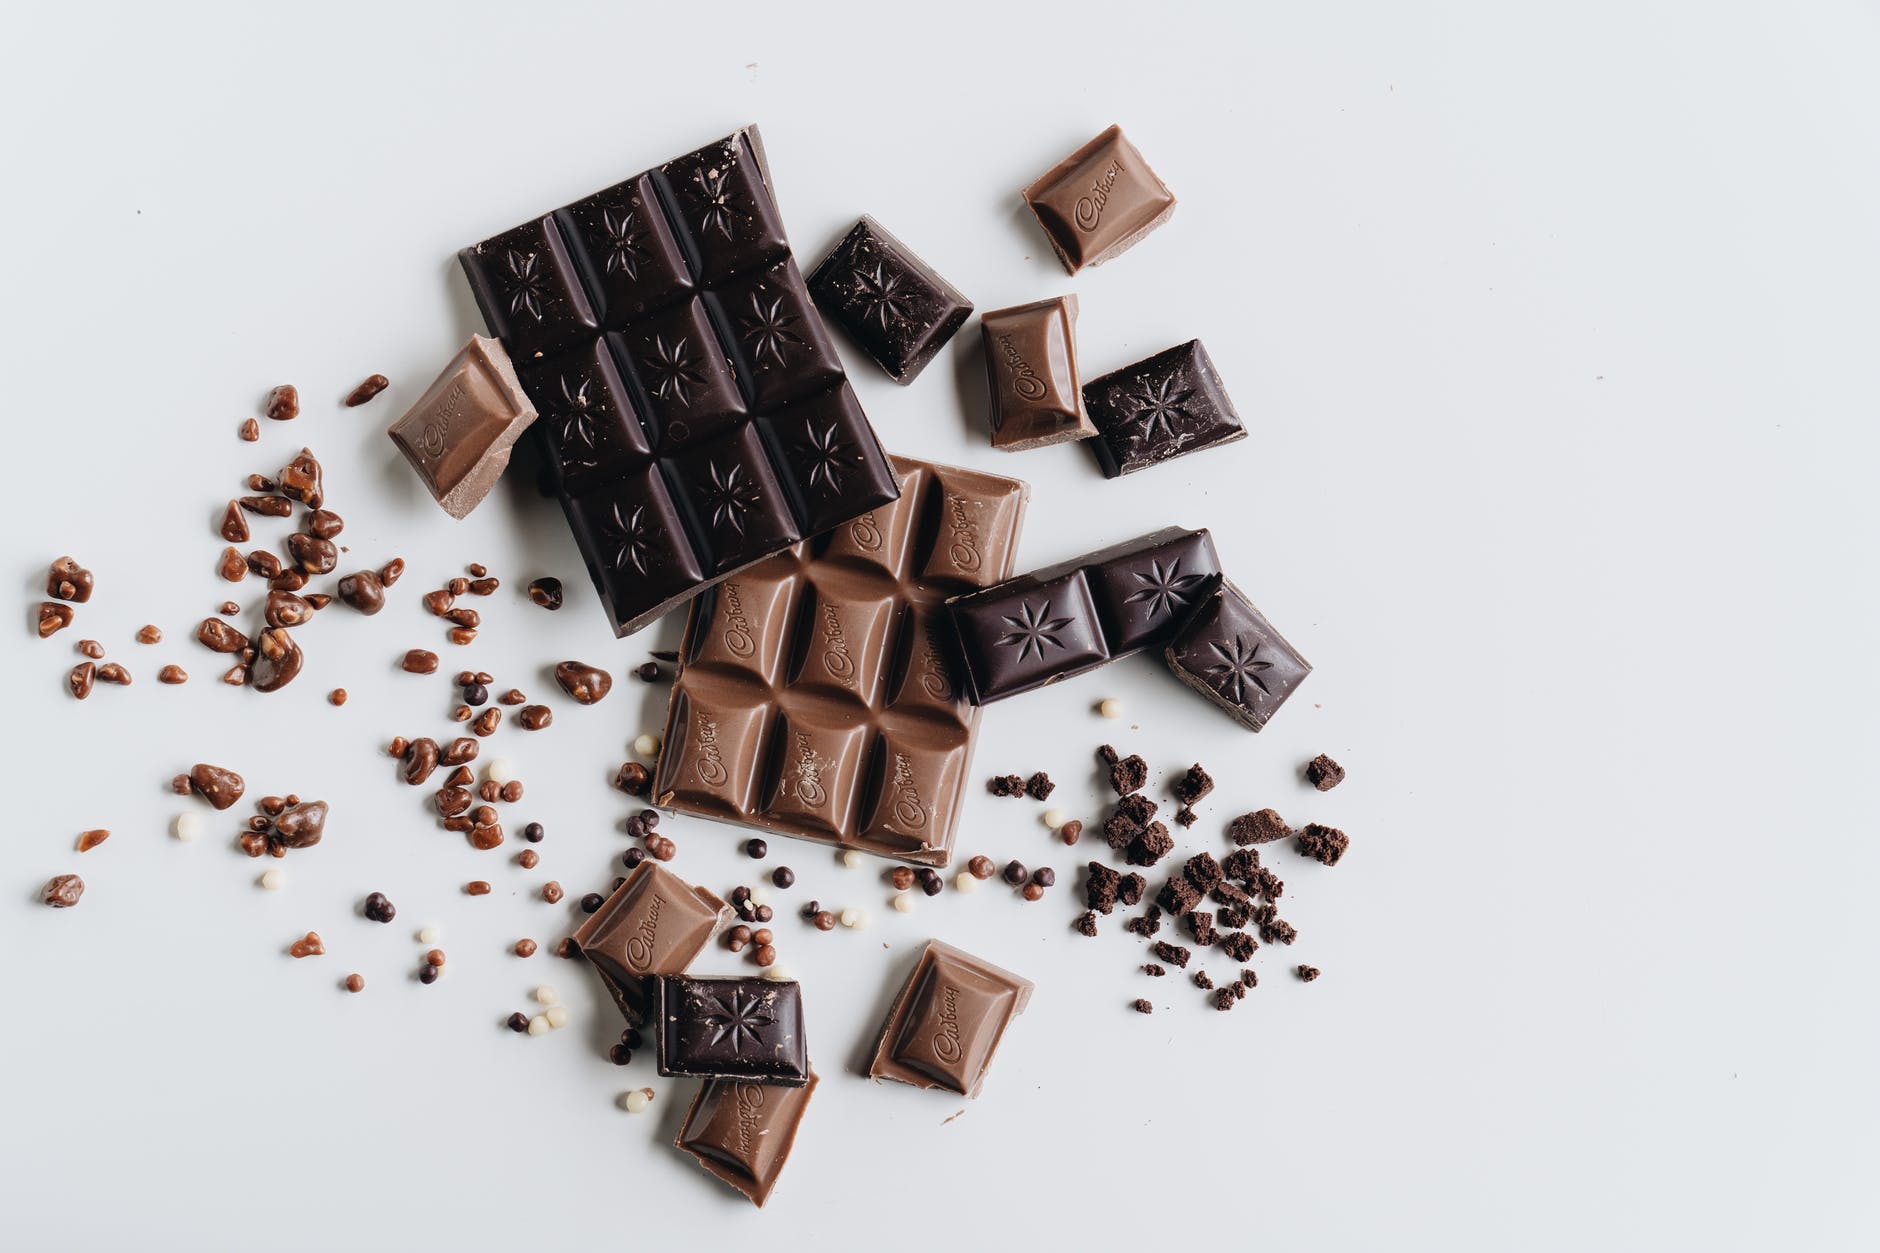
{"points": [[948, 1021], [1031, 366], [893, 304], [459, 435], [1099, 201], [742, 1132], [655, 923], [1229, 653]]}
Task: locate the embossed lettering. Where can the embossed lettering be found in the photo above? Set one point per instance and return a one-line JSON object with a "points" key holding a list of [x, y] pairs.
{"points": [[1090, 206], [640, 943]]}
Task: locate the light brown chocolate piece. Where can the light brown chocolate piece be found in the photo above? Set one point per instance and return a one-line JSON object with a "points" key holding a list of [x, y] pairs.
{"points": [[1100, 200], [742, 1132], [655, 923], [1031, 365], [948, 1020], [459, 435]]}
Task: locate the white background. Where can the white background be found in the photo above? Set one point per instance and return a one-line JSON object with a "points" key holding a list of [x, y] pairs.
{"points": [[1554, 328]]}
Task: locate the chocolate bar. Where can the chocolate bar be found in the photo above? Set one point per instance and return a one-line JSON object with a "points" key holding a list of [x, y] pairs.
{"points": [[945, 1026], [742, 1132], [1031, 364], [1230, 653], [1051, 624], [459, 435], [1164, 406], [892, 304], [819, 694], [732, 1029], [655, 923], [694, 415], [1099, 201]]}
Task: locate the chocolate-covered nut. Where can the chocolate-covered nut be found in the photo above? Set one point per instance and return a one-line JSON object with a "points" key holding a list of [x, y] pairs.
{"points": [[325, 523], [220, 637], [420, 760], [452, 801], [370, 387], [81, 678], [364, 591], [67, 580], [484, 587], [485, 836], [172, 675], [419, 661], [463, 618], [233, 567], [487, 721], [234, 526], [236, 676], [250, 430], [219, 786], [261, 483], [300, 480], [283, 403], [111, 672], [62, 891], [439, 602], [319, 600], [277, 660], [267, 506], [392, 571], [536, 717], [149, 634], [461, 635], [460, 750], [512, 791], [264, 563], [632, 778], [285, 609], [300, 826], [585, 683], [546, 592], [313, 554], [91, 648], [53, 617]]}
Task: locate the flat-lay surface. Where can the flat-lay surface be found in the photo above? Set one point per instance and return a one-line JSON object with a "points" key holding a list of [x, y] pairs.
{"points": [[1554, 341]]}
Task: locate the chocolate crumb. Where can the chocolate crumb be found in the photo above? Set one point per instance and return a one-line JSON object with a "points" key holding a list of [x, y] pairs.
{"points": [[1323, 773], [1129, 774], [1200, 924], [1194, 784], [1203, 980], [1263, 826], [1173, 954], [1130, 889], [1153, 971], [1202, 871], [1100, 887], [1187, 817], [1146, 923], [1324, 845], [1306, 973], [1086, 923], [1143, 1007], [1179, 895], [1241, 864], [1006, 785], [1239, 946], [1039, 787], [1150, 847], [1224, 999], [372, 385]]}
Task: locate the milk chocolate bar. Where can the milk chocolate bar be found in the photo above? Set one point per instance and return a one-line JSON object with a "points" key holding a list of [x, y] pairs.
{"points": [[694, 415], [1051, 624], [819, 694], [945, 1026]]}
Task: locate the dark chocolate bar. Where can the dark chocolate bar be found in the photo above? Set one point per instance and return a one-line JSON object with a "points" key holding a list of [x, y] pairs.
{"points": [[1031, 364], [945, 1026], [892, 304], [1164, 406], [732, 1029], [742, 1132], [1099, 201], [1230, 653], [819, 694], [694, 415], [655, 923], [1060, 621]]}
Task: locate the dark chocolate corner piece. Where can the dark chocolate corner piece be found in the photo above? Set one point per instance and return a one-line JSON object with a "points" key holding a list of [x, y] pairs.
{"points": [[742, 1132], [948, 1021], [1230, 653], [736, 1029], [1031, 370], [1162, 407], [892, 304], [1099, 201]]}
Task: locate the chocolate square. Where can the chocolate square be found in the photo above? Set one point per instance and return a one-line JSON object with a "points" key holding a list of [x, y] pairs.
{"points": [[633, 261], [732, 1029], [459, 434], [631, 536], [1031, 366], [742, 1132], [529, 288], [1027, 633], [737, 507], [1099, 201], [892, 304], [830, 450], [945, 1026], [1230, 653], [655, 923], [777, 344], [1162, 407], [587, 425]]}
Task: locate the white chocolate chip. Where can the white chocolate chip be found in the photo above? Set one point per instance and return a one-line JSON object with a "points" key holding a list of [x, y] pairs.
{"points": [[903, 903], [759, 896], [186, 827], [777, 972], [852, 858], [964, 882], [635, 1101], [430, 935], [557, 1016], [546, 995], [539, 1025], [854, 919], [500, 770], [1110, 708], [272, 879], [646, 745], [1055, 818]]}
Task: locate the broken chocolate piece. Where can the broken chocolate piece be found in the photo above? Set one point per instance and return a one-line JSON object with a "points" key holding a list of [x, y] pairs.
{"points": [[1323, 773]]}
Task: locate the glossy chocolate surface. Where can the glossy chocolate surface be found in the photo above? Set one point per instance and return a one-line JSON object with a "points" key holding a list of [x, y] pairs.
{"points": [[1099, 201], [1031, 369], [948, 1021], [819, 693], [742, 1132], [459, 434], [654, 924], [1162, 407], [732, 1029], [892, 304], [1230, 653]]}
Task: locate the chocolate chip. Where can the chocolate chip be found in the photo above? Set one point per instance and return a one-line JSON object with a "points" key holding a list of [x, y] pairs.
{"points": [[1039, 787], [1015, 873], [536, 717], [234, 526], [277, 660], [250, 430], [62, 891], [370, 387], [53, 617], [586, 684], [419, 661], [283, 403], [67, 580], [533, 833], [546, 592]]}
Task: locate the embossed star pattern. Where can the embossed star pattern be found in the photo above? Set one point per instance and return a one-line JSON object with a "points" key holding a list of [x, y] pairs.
{"points": [[525, 280], [730, 494], [624, 250], [1160, 407], [739, 1017], [768, 329], [1239, 669], [716, 210], [672, 369], [879, 299], [1033, 629], [627, 535], [826, 451], [578, 439], [1164, 589]]}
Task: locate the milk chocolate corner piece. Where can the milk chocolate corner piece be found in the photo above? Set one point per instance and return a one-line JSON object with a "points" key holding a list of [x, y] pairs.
{"points": [[742, 1132], [654, 924], [948, 1021], [1099, 201], [459, 435]]}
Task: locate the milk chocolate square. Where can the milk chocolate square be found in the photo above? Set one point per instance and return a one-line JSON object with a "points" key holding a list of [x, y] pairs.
{"points": [[1031, 366], [1099, 201], [742, 1132], [948, 1021], [458, 436], [654, 924]]}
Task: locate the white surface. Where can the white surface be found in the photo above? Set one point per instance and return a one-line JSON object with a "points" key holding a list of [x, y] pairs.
{"points": [[1556, 337]]}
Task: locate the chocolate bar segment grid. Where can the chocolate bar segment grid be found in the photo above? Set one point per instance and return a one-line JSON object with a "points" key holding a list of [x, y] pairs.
{"points": [[694, 416], [819, 693]]}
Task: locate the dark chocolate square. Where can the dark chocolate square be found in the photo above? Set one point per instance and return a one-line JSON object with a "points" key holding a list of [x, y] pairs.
{"points": [[778, 346], [1143, 592], [1031, 634], [720, 199], [585, 421], [1230, 653], [892, 304], [827, 443], [1162, 407], [633, 263], [732, 1029], [737, 506], [684, 379], [631, 536], [529, 289]]}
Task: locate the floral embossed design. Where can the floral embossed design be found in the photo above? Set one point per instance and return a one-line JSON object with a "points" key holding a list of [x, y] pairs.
{"points": [[878, 293], [729, 495], [1239, 669], [768, 329], [717, 210], [826, 456], [1164, 590], [738, 1017], [672, 370], [578, 439], [628, 535], [1033, 629], [1160, 407], [522, 273], [625, 252]]}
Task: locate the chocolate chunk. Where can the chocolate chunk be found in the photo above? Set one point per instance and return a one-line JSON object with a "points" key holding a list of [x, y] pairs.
{"points": [[1178, 895], [732, 1029], [586, 684], [53, 617], [948, 1020], [312, 554], [1306, 973], [172, 675], [1039, 787], [1147, 923], [283, 403], [300, 825], [1150, 847], [1162, 407], [1173, 954], [263, 563], [219, 786], [1142, 1006], [1130, 888], [372, 385], [1202, 871], [1225, 999], [1263, 882], [111, 672], [1262, 826], [1323, 773], [300, 479], [363, 590], [1086, 923], [267, 506], [421, 758], [1006, 785], [62, 891], [1324, 845], [1031, 365], [250, 430], [1100, 887], [234, 526], [81, 679], [1154, 971], [233, 567], [1202, 979], [67, 580], [546, 592], [537, 717], [1230, 653], [1194, 784], [1129, 775], [742, 1133], [1200, 924], [277, 660], [1225, 893], [1238, 945], [819, 695], [1241, 864], [459, 434], [892, 304], [1099, 201]]}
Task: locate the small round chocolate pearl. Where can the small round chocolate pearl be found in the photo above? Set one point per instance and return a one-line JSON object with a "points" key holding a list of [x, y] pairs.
{"points": [[964, 882], [661, 848], [533, 833], [434, 957], [1110, 708], [355, 983], [630, 1038], [475, 694], [980, 867], [902, 902], [764, 913], [646, 746], [756, 850], [591, 902], [930, 881], [272, 879], [737, 938], [852, 858], [767, 955], [427, 974], [557, 1016], [547, 995], [1033, 892], [648, 672], [1055, 818], [525, 948], [518, 1022], [431, 935], [649, 818], [902, 878], [762, 936], [783, 877], [187, 827], [824, 920], [632, 857], [619, 1054], [538, 1025], [637, 1100], [1015, 872], [1044, 876], [500, 770], [854, 919], [529, 859]]}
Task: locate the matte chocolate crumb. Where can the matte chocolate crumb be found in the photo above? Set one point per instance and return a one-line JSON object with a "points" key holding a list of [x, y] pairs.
{"points": [[1146, 923], [1203, 980], [1306, 973], [1241, 864], [1100, 888], [1263, 826], [1178, 895], [1265, 883], [1106, 754], [1173, 954], [1006, 785], [1239, 946], [1129, 774], [1143, 1007], [1129, 891], [1323, 773], [1187, 817], [1202, 871], [1224, 999], [1324, 845], [1153, 971], [1086, 923], [1194, 784], [1249, 979], [1233, 917], [1150, 847], [1039, 787], [1225, 893], [1200, 924]]}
